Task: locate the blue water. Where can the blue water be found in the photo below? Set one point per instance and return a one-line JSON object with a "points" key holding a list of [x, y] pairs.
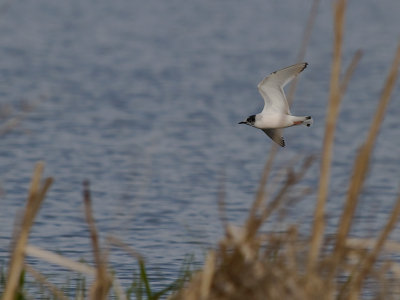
{"points": [[143, 98]]}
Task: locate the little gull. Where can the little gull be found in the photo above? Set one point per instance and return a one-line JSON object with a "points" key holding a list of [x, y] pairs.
{"points": [[276, 113]]}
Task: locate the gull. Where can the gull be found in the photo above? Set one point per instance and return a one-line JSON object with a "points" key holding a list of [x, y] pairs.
{"points": [[276, 113]]}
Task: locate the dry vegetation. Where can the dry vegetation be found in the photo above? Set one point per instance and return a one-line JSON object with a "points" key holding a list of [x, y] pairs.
{"points": [[247, 263]]}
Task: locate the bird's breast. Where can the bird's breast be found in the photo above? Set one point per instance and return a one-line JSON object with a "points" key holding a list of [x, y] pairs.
{"points": [[264, 121]]}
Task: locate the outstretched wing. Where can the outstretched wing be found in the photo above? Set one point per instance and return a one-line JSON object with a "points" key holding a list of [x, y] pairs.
{"points": [[275, 135], [271, 88]]}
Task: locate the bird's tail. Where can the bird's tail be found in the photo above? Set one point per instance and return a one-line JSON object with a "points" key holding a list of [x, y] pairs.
{"points": [[308, 121]]}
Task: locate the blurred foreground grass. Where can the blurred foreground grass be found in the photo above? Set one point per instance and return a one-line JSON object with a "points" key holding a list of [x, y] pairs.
{"points": [[247, 263]]}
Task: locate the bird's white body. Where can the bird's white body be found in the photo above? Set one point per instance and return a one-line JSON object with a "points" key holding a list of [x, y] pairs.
{"points": [[275, 120], [276, 113]]}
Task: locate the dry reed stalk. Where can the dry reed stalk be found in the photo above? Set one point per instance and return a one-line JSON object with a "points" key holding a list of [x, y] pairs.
{"points": [[35, 198], [292, 179], [258, 214], [72, 265], [45, 283], [250, 265], [112, 240], [117, 288], [362, 243], [102, 283], [349, 71], [15, 121], [292, 248], [331, 117], [10, 125], [221, 202], [55, 258], [207, 275], [260, 199], [361, 163], [395, 269], [367, 265]]}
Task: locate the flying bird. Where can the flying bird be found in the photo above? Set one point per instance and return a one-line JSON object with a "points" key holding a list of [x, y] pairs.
{"points": [[276, 113]]}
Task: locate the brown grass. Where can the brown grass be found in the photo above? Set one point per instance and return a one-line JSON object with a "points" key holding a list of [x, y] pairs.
{"points": [[361, 163], [335, 97], [103, 279], [35, 199], [14, 120], [102, 283], [44, 282]]}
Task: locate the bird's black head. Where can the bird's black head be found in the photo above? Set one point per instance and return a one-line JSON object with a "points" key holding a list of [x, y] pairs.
{"points": [[249, 121]]}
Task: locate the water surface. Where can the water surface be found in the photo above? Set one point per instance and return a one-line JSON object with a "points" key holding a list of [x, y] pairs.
{"points": [[143, 98]]}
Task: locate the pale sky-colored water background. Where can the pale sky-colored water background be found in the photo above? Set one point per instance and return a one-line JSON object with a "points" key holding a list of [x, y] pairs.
{"points": [[143, 98]]}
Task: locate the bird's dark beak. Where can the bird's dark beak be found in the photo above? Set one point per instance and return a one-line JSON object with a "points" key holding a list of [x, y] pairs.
{"points": [[242, 123]]}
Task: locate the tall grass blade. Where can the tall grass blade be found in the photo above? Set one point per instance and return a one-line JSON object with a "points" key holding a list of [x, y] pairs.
{"points": [[58, 294], [207, 275], [361, 163], [331, 117], [35, 198], [145, 280], [60, 260], [349, 71], [372, 257], [261, 196], [102, 284]]}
